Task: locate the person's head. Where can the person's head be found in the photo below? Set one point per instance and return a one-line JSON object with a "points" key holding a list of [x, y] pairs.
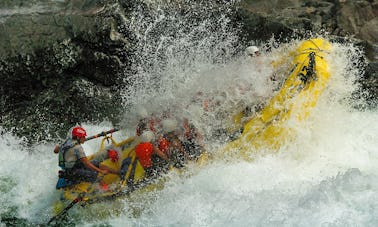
{"points": [[252, 51], [169, 125], [189, 128], [147, 136], [186, 122], [79, 134], [141, 112], [113, 155]]}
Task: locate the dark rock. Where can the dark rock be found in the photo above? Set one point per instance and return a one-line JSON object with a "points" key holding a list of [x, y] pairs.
{"points": [[63, 62], [342, 19], [60, 65], [369, 86], [358, 19]]}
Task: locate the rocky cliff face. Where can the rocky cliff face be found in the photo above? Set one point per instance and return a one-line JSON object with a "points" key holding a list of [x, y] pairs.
{"points": [[357, 19], [60, 64], [61, 61]]}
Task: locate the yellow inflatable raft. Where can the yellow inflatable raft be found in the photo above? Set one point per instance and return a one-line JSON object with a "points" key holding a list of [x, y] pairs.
{"points": [[307, 78]]}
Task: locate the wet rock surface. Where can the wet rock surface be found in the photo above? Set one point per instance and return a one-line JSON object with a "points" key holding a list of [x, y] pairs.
{"points": [[60, 64], [64, 62]]}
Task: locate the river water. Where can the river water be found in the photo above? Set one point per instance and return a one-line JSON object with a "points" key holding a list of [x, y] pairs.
{"points": [[326, 176]]}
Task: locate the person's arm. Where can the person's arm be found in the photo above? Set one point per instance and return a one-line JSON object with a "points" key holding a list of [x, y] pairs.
{"points": [[160, 153], [88, 164], [164, 156], [104, 167], [199, 139], [56, 149]]}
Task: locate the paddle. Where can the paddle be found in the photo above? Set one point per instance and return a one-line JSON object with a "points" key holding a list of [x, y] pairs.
{"points": [[56, 149], [102, 134], [79, 198], [65, 210]]}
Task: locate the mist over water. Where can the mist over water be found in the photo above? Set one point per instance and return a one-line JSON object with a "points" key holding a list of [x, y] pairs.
{"points": [[326, 176]]}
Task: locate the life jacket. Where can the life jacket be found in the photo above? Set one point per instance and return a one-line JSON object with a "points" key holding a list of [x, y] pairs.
{"points": [[144, 152], [190, 132], [166, 144], [64, 147], [63, 180], [163, 144]]}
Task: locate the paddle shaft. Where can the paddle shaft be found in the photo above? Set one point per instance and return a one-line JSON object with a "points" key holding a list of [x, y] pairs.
{"points": [[102, 134], [78, 199], [65, 210]]}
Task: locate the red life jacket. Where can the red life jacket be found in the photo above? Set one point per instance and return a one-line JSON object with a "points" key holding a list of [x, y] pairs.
{"points": [[163, 144], [144, 152]]}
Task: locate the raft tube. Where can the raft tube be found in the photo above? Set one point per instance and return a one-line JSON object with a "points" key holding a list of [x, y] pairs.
{"points": [[299, 93]]}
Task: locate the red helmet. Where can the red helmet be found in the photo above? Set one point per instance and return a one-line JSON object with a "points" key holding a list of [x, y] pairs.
{"points": [[78, 132], [113, 155]]}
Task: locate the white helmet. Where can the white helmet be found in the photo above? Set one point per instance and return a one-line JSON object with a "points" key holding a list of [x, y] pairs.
{"points": [[251, 50], [141, 112], [219, 99], [169, 125], [147, 136]]}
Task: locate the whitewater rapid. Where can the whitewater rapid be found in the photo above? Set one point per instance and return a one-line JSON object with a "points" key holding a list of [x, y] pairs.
{"points": [[326, 176]]}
